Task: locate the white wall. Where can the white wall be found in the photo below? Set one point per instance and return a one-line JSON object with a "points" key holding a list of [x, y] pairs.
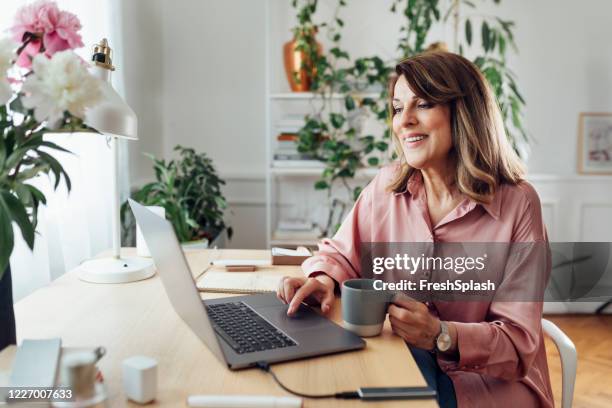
{"points": [[211, 61], [141, 23]]}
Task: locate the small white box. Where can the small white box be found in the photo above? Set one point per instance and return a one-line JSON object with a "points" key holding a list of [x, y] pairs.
{"points": [[140, 378]]}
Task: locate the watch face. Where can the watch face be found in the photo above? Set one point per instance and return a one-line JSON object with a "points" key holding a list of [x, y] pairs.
{"points": [[443, 342]]}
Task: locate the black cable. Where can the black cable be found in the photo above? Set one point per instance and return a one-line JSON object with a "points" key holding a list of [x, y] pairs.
{"points": [[264, 366]]}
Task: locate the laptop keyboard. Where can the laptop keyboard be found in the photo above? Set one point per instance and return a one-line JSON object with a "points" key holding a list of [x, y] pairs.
{"points": [[244, 330]]}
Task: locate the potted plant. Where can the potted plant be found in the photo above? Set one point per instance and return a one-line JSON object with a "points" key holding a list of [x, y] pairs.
{"points": [[44, 87], [189, 189]]}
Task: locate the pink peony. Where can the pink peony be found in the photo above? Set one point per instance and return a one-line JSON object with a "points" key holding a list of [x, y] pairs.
{"points": [[56, 30]]}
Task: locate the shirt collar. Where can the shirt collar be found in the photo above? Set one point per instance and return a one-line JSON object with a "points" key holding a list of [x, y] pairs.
{"points": [[415, 182]]}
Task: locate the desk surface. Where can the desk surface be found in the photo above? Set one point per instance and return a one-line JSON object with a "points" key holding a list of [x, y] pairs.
{"points": [[137, 318]]}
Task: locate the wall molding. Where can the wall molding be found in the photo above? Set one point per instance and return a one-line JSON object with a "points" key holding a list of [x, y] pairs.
{"points": [[553, 204], [583, 207]]}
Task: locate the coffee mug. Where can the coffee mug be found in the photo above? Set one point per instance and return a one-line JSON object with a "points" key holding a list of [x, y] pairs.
{"points": [[79, 372], [364, 308]]}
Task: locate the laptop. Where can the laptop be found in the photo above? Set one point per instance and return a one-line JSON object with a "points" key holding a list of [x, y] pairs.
{"points": [[238, 330]]}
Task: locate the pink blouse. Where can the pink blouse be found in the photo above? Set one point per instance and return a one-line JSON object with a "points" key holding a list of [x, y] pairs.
{"points": [[502, 360]]}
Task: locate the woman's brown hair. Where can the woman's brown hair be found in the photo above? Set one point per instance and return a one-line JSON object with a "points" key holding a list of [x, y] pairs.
{"points": [[484, 157]]}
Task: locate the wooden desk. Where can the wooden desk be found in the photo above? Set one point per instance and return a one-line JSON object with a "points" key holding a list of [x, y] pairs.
{"points": [[137, 318]]}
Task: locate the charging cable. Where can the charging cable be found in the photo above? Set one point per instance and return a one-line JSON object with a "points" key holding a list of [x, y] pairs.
{"points": [[264, 366]]}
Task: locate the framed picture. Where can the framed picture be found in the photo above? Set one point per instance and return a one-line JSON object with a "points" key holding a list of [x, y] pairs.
{"points": [[595, 143]]}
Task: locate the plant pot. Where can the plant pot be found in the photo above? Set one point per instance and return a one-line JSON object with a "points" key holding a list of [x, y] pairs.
{"points": [[8, 334], [300, 80], [220, 241], [195, 245]]}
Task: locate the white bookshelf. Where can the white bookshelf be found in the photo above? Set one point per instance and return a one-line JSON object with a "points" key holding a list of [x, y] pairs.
{"points": [[290, 190]]}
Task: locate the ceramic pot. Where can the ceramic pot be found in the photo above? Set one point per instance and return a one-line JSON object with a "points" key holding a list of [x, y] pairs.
{"points": [[296, 66]]}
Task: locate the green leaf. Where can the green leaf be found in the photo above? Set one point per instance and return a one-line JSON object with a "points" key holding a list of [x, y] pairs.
{"points": [[502, 45], [321, 185], [516, 92], [17, 212], [57, 169], [349, 102], [373, 161], [54, 146], [486, 42], [356, 192], [338, 53], [2, 153], [336, 120], [382, 146], [468, 31]]}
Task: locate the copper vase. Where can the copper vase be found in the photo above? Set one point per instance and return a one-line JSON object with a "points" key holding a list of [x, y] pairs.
{"points": [[297, 67]]}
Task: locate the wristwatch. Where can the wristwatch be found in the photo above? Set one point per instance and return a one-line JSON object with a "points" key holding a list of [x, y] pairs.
{"points": [[443, 340]]}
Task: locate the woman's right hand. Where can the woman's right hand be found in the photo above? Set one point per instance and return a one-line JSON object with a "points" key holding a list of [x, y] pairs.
{"points": [[317, 290]]}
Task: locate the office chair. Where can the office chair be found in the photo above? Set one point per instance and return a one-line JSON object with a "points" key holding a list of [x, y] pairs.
{"points": [[569, 360]]}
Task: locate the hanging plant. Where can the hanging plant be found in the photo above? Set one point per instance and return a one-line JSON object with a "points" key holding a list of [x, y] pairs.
{"points": [[328, 134]]}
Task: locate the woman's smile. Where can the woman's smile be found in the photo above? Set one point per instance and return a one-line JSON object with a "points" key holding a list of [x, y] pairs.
{"points": [[414, 140]]}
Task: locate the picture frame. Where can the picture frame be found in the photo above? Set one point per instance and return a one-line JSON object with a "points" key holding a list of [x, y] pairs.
{"points": [[595, 143]]}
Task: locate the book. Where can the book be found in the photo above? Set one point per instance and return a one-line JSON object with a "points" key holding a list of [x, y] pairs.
{"points": [[286, 155], [286, 256], [312, 164], [238, 282]]}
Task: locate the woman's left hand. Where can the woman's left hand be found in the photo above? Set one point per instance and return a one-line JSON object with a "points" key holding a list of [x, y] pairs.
{"points": [[413, 322]]}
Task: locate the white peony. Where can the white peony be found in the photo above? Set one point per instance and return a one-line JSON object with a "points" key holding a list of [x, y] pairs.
{"points": [[7, 54], [60, 84]]}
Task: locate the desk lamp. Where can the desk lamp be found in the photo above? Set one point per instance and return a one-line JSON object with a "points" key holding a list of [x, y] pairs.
{"points": [[115, 119]]}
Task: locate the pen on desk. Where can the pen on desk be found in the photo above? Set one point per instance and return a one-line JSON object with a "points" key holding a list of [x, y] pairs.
{"points": [[242, 401]]}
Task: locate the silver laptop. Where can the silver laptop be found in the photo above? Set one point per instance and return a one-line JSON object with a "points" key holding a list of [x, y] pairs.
{"points": [[239, 330]]}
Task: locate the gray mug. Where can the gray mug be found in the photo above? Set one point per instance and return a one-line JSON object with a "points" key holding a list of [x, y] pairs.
{"points": [[364, 308]]}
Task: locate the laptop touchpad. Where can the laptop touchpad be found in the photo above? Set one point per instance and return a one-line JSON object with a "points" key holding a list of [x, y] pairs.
{"points": [[303, 319]]}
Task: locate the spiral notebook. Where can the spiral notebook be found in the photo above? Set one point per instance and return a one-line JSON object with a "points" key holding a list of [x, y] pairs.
{"points": [[238, 282]]}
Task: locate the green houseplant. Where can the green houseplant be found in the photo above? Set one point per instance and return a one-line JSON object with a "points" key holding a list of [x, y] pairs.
{"points": [[328, 133], [189, 189]]}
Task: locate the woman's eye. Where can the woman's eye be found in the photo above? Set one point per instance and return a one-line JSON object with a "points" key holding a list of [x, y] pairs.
{"points": [[396, 110], [425, 105]]}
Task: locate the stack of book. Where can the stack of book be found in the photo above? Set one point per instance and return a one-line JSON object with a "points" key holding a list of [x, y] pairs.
{"points": [[285, 152]]}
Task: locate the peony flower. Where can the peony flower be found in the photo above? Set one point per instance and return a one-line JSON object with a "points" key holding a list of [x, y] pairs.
{"points": [[60, 84], [7, 54], [54, 30]]}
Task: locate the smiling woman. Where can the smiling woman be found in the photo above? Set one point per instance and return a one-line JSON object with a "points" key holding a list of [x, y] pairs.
{"points": [[443, 111], [457, 180]]}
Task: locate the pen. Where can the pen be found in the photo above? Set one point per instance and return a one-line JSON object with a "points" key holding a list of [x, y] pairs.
{"points": [[242, 401]]}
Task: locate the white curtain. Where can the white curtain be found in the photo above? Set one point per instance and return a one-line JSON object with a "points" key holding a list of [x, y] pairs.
{"points": [[73, 227]]}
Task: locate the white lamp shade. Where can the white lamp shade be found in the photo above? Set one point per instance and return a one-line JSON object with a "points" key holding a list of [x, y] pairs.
{"points": [[111, 116]]}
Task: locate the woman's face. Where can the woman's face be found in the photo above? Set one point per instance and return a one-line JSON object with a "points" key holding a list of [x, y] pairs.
{"points": [[423, 128]]}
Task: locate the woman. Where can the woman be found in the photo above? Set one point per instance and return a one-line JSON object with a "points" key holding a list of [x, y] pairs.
{"points": [[457, 180]]}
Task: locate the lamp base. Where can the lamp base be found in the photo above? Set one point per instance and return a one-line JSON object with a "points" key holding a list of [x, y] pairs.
{"points": [[112, 270]]}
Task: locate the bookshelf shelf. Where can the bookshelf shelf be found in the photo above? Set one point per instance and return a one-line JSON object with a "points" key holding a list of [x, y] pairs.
{"points": [[316, 171], [310, 95]]}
